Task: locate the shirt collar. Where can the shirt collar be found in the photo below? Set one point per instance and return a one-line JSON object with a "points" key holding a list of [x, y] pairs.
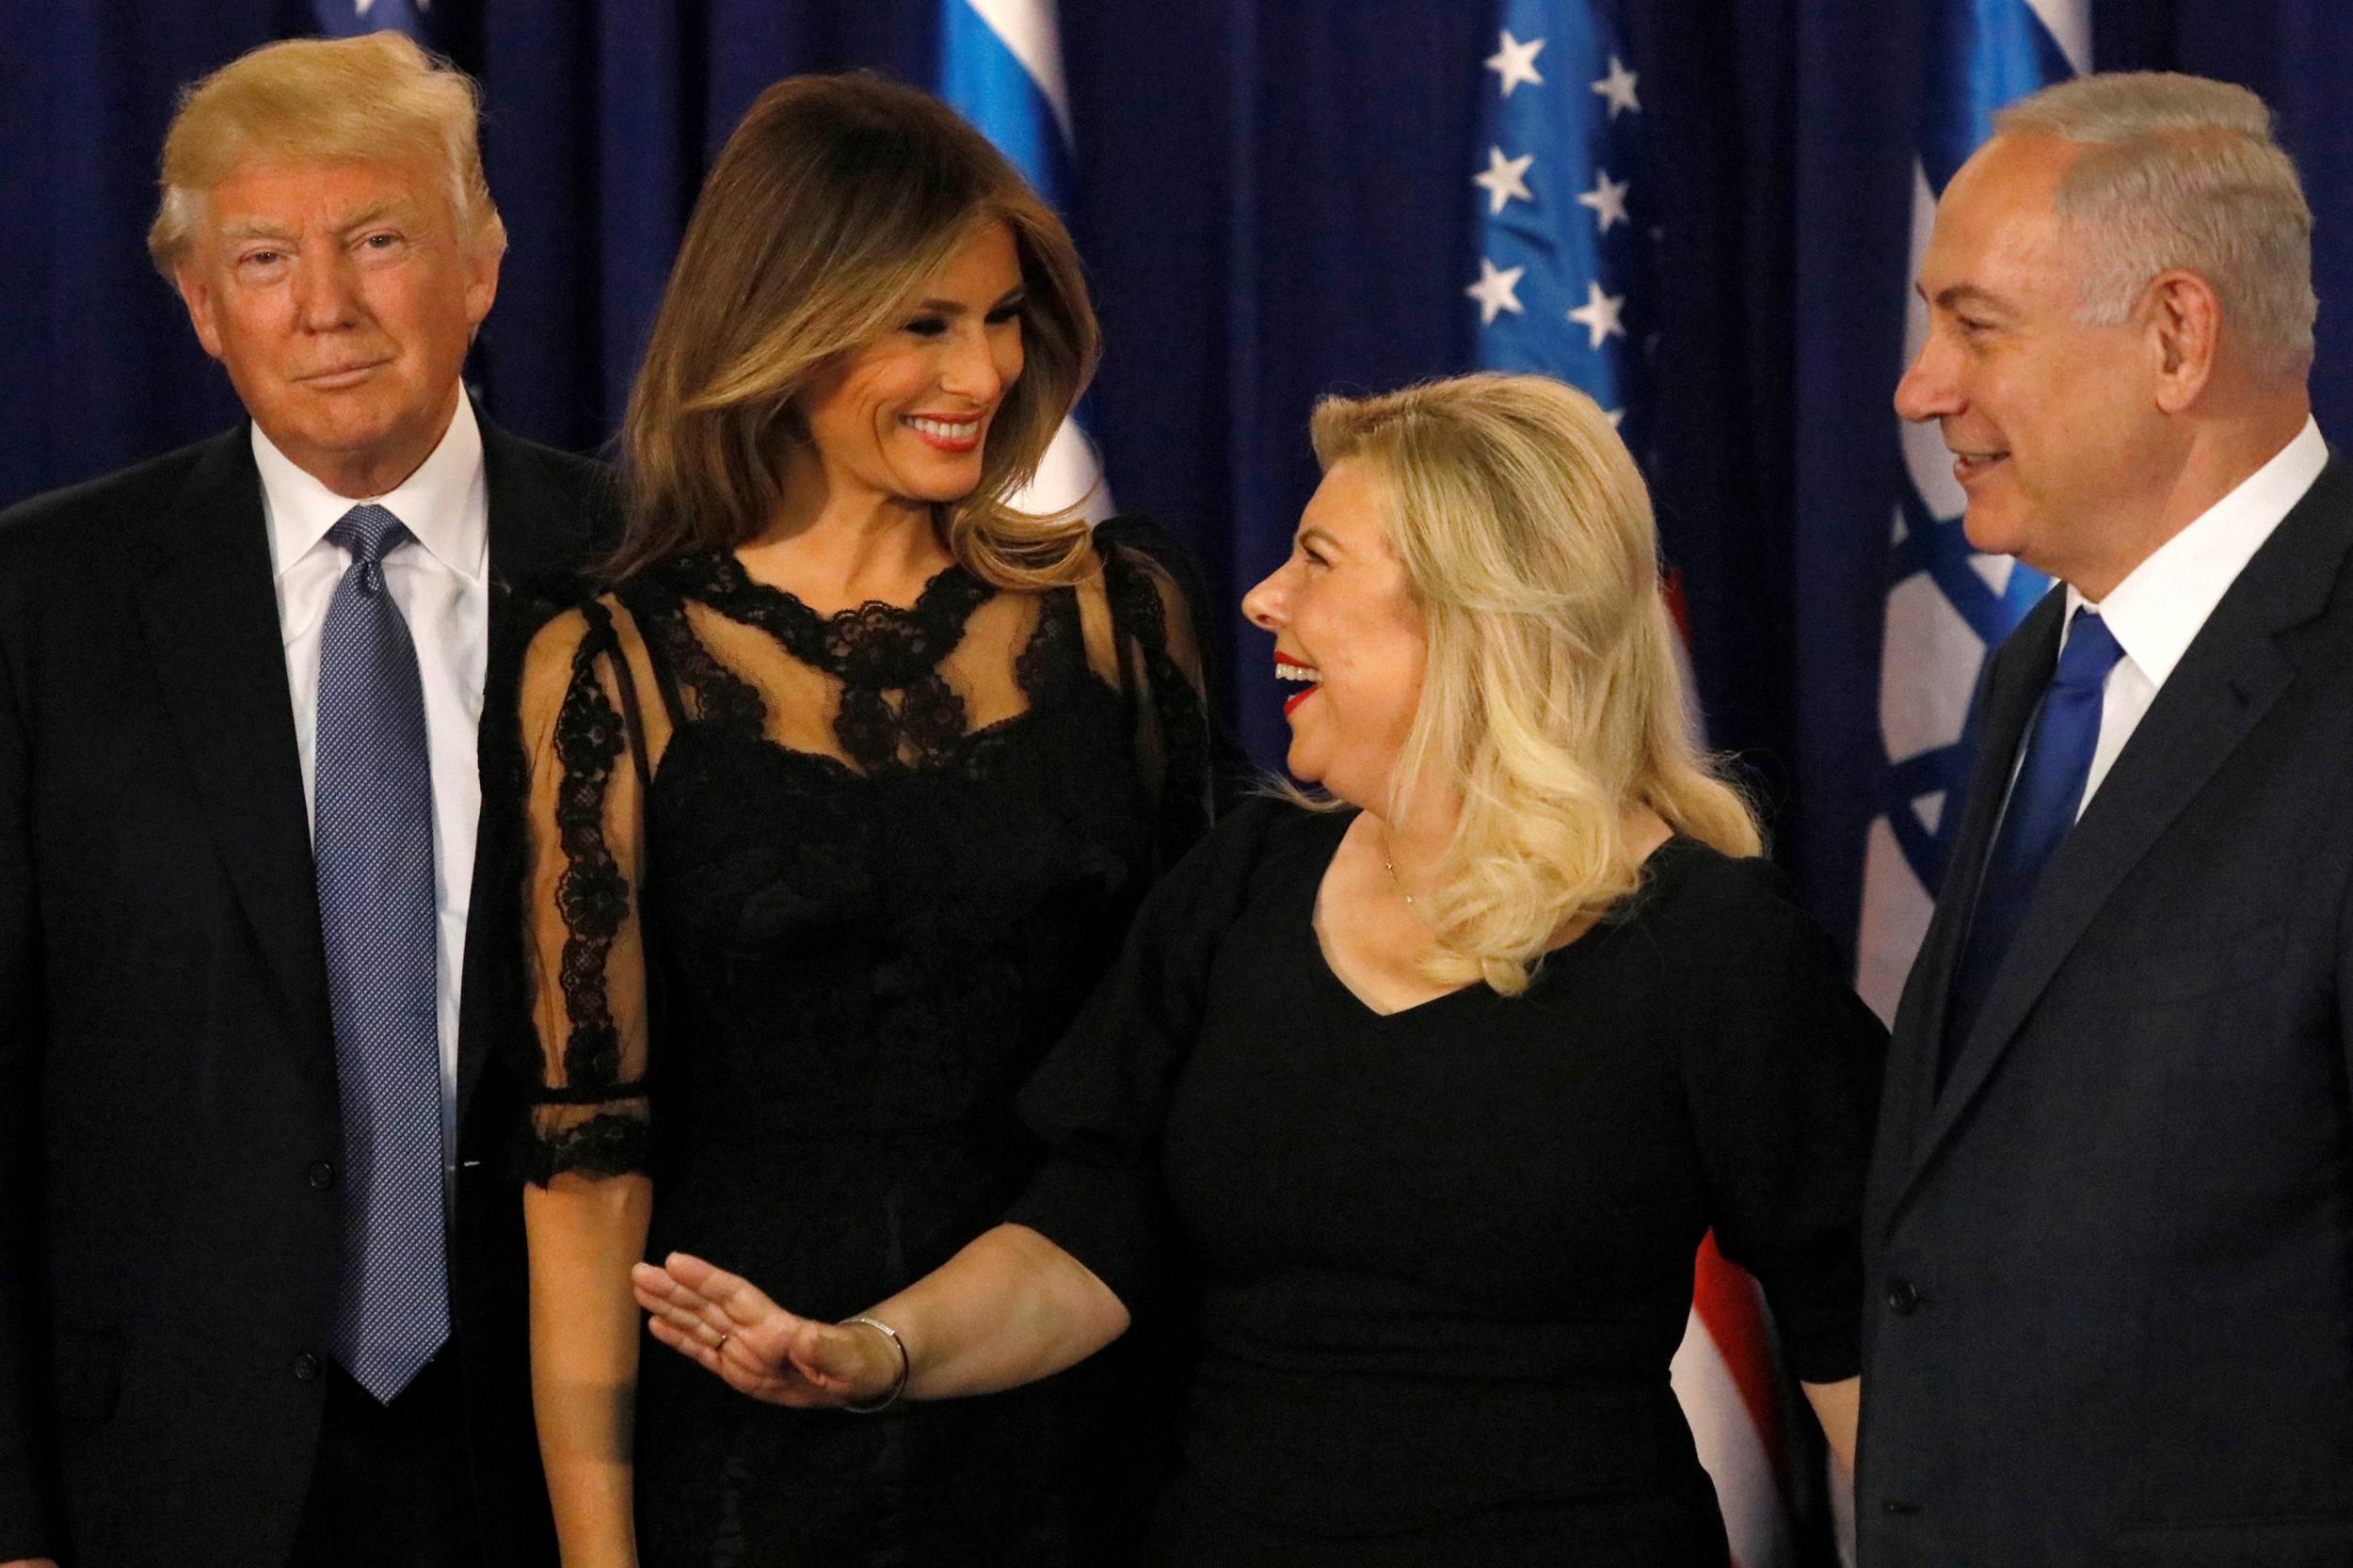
{"points": [[2163, 602], [441, 504]]}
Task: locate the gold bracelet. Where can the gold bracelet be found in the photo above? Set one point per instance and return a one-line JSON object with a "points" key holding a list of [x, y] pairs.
{"points": [[900, 1384]]}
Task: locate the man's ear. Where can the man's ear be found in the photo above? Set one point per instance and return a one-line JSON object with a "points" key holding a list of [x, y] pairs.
{"points": [[482, 278], [2185, 335], [198, 296]]}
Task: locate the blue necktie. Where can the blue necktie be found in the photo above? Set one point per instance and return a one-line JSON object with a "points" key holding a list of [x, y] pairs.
{"points": [[2042, 805], [372, 837]]}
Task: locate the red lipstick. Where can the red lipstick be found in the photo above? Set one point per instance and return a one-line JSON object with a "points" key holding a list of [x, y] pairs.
{"points": [[1283, 660]]}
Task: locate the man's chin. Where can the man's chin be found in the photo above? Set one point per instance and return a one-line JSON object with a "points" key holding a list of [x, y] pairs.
{"points": [[1990, 533], [372, 450]]}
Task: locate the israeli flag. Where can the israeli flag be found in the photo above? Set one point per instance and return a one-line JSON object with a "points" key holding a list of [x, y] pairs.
{"points": [[1000, 66], [1948, 606]]}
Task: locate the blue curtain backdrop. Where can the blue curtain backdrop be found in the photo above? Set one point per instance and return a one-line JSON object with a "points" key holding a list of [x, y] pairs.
{"points": [[1272, 202]]}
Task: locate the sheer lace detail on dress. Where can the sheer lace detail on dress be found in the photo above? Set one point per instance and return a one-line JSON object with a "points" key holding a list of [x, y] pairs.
{"points": [[589, 1109], [719, 694], [873, 650], [934, 782], [591, 895], [1172, 729]]}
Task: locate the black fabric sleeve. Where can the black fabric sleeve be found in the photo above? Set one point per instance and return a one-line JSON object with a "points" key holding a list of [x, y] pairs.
{"points": [[1100, 1099], [1782, 1077]]}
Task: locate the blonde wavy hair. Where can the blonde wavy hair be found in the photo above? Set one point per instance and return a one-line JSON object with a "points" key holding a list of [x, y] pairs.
{"points": [[358, 99], [834, 203], [1552, 700]]}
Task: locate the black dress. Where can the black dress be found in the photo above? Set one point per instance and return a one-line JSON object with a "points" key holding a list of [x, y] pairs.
{"points": [[812, 897], [1443, 1257]]}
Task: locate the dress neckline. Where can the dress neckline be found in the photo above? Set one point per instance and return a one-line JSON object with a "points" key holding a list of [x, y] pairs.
{"points": [[874, 644], [1657, 866]]}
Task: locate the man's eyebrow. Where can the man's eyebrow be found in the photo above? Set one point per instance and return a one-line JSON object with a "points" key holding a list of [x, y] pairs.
{"points": [[256, 229], [374, 211], [1954, 296], [253, 228]]}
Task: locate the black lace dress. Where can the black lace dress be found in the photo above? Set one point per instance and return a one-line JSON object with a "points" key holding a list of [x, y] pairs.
{"points": [[812, 897]]}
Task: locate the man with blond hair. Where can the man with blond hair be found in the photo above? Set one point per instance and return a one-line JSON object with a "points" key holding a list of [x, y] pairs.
{"points": [[261, 1270], [2110, 1221]]}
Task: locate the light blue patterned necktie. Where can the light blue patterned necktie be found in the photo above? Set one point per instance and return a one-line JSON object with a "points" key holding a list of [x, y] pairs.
{"points": [[373, 839]]}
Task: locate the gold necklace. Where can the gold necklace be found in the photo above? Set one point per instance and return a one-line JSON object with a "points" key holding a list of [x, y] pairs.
{"points": [[1395, 881], [1390, 866]]}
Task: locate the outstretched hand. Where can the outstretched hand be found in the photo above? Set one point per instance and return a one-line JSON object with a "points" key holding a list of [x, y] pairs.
{"points": [[727, 1323]]}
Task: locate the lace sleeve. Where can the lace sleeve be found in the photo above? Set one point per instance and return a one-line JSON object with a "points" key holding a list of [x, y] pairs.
{"points": [[588, 753], [1159, 658]]}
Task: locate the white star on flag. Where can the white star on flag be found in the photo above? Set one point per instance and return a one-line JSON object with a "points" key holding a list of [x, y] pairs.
{"points": [[1599, 314], [1607, 198], [1618, 87], [1506, 178], [1515, 62], [1495, 290]]}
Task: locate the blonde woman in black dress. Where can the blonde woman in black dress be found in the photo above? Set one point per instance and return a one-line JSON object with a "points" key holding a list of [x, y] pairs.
{"points": [[838, 801], [1428, 1091]]}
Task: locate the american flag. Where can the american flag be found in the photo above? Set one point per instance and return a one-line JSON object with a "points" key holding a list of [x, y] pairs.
{"points": [[1564, 287], [1946, 606], [1000, 66], [1563, 256]]}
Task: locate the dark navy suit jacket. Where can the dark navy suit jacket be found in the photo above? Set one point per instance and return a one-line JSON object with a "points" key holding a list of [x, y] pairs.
{"points": [[2110, 1284]]}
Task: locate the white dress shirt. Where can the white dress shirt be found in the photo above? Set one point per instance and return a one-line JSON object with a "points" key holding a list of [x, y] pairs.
{"points": [[2163, 603], [442, 586]]}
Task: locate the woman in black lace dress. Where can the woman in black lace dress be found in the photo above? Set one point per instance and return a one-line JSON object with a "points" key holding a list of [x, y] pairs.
{"points": [[840, 801]]}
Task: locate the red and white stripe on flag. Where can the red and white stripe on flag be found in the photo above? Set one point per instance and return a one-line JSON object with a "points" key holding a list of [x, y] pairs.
{"points": [[1728, 1378]]}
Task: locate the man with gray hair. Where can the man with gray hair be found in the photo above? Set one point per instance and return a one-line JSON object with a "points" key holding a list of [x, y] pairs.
{"points": [[262, 1292], [2110, 1220]]}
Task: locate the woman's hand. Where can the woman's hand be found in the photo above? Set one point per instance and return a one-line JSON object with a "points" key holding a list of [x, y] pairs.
{"points": [[1838, 1406], [724, 1321]]}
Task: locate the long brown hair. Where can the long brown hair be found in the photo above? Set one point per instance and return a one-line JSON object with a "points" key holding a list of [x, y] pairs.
{"points": [[835, 200]]}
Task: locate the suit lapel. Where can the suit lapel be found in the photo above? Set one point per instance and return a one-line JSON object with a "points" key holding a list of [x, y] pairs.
{"points": [[2229, 678], [205, 596]]}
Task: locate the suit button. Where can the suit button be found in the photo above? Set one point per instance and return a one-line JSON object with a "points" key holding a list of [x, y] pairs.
{"points": [[321, 1173], [1896, 1505], [307, 1367], [1903, 1296]]}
